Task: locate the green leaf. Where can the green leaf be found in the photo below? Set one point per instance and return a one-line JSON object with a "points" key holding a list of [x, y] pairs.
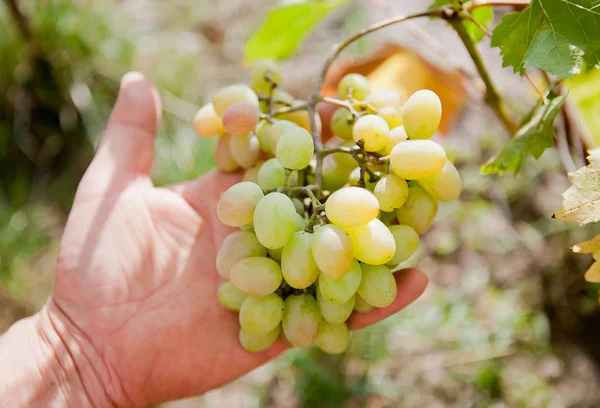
{"points": [[553, 35], [535, 135], [581, 202], [584, 89], [285, 28], [484, 16]]}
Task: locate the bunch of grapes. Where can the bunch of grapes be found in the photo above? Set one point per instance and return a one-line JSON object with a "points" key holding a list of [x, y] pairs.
{"points": [[321, 229]]}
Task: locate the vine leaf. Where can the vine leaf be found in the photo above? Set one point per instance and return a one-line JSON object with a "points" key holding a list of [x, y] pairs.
{"points": [[593, 273], [581, 202], [535, 135], [553, 35], [588, 247], [285, 28]]}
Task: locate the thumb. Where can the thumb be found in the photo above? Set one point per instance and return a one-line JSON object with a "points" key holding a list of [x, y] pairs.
{"points": [[126, 149]]}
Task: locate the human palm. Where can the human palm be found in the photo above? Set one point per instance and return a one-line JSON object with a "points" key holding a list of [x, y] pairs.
{"points": [[136, 276]]}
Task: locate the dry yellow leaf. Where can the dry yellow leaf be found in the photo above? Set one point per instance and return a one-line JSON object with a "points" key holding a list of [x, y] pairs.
{"points": [[593, 273]]}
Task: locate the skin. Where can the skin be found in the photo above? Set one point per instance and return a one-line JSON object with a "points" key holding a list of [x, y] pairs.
{"points": [[134, 318]]}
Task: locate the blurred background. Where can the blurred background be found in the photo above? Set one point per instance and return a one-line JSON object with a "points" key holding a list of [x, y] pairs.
{"points": [[508, 320]]}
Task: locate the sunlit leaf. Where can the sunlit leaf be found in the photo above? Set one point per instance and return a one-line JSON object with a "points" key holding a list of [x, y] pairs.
{"points": [[593, 274]]}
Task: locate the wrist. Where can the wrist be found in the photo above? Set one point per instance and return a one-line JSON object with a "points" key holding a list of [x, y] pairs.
{"points": [[47, 362]]}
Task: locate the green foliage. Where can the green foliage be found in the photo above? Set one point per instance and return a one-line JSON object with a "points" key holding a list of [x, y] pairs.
{"points": [[285, 28], [535, 135], [483, 15], [553, 35], [584, 89]]}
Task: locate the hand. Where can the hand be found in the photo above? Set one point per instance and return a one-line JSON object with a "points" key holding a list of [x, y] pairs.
{"points": [[136, 280]]}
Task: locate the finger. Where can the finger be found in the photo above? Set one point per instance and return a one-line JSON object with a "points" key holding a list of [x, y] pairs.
{"points": [[411, 284], [126, 149]]}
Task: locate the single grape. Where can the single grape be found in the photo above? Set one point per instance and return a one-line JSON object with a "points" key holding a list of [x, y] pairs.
{"points": [[300, 222], [232, 94], [391, 192], [397, 135], [334, 175], [373, 242], [240, 118], [384, 98], [295, 148], [300, 319], [237, 246], [345, 159], [332, 250], [361, 306], [251, 174], [207, 123], [275, 220], [444, 186], [354, 86], [341, 290], [422, 114], [299, 205], [265, 76], [263, 133], [392, 115], [373, 131], [354, 178], [418, 211], [297, 263], [335, 313], [342, 122], [237, 204], [278, 129], [245, 149], [378, 286], [407, 242], [332, 338], [351, 206], [224, 160], [261, 314], [271, 174], [256, 343], [256, 276], [417, 159], [230, 297]]}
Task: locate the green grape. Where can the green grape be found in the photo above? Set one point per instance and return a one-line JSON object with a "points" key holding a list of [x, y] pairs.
{"points": [[264, 76], [261, 314], [297, 263], [378, 286], [224, 161], [397, 135], [361, 306], [332, 338], [407, 242], [300, 222], [417, 159], [450, 154], [275, 220], [444, 186], [263, 133], [247, 227], [251, 174], [373, 242], [384, 98], [230, 297], [300, 319], [245, 149], [300, 117], [334, 175], [418, 211], [207, 123], [271, 174], [354, 86], [332, 250], [240, 118], [344, 159], [341, 290], [237, 204], [354, 178], [278, 129], [342, 122], [335, 313], [232, 94], [256, 343], [299, 205], [237, 246], [256, 276], [391, 192], [275, 253], [422, 114], [351, 206], [392, 115], [387, 217], [373, 131], [295, 148]]}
